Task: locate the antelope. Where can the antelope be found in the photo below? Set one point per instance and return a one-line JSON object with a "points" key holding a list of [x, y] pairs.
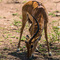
{"points": [[36, 15]]}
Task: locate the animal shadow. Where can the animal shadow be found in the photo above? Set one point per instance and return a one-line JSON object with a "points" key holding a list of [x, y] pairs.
{"points": [[21, 55]]}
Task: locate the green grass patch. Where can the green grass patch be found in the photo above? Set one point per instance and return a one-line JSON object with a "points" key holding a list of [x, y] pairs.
{"points": [[55, 48], [18, 31], [12, 36], [23, 38], [6, 37], [55, 33], [10, 42], [17, 23], [15, 14], [9, 34], [58, 53], [24, 1], [54, 21], [11, 24], [55, 27], [20, 17], [17, 38], [40, 45], [52, 14], [42, 49], [10, 39], [21, 49], [24, 46], [44, 40], [26, 25], [0, 54], [5, 56], [57, 11], [5, 48]]}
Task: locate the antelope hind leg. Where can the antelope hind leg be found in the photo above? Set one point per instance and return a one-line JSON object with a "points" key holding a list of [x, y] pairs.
{"points": [[45, 29]]}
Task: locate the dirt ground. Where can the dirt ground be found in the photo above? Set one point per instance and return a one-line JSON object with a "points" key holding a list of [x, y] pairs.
{"points": [[10, 12]]}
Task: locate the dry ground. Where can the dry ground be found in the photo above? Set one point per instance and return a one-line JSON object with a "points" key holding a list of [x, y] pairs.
{"points": [[10, 13]]}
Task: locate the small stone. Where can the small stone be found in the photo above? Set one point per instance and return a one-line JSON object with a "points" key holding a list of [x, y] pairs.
{"points": [[58, 26], [58, 14]]}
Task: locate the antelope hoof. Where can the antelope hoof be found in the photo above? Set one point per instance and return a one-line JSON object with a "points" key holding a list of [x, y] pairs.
{"points": [[37, 50], [18, 50], [50, 54], [31, 57]]}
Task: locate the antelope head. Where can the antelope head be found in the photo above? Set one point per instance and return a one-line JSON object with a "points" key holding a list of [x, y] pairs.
{"points": [[31, 43]]}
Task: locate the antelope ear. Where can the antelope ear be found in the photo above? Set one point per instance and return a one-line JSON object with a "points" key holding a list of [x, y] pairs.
{"points": [[27, 37]]}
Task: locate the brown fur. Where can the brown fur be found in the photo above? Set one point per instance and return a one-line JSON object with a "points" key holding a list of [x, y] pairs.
{"points": [[39, 12]]}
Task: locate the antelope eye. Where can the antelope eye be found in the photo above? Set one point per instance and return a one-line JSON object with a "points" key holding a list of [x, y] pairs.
{"points": [[27, 36], [31, 46], [25, 41]]}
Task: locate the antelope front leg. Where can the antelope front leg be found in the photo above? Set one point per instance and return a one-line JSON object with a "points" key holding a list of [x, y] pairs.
{"points": [[39, 38], [45, 29], [24, 20], [18, 49]]}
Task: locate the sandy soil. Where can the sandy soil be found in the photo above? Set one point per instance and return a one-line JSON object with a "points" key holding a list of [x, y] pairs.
{"points": [[10, 11]]}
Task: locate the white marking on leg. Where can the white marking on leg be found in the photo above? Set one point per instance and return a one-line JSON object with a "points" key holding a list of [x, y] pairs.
{"points": [[18, 49], [50, 53], [37, 49], [32, 55]]}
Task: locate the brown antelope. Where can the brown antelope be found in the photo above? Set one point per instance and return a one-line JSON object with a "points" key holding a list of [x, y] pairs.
{"points": [[35, 13]]}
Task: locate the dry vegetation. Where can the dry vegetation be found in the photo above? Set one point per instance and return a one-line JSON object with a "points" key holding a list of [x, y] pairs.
{"points": [[10, 24]]}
